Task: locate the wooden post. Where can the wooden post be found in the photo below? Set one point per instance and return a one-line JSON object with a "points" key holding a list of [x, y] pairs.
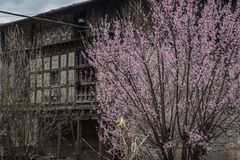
{"points": [[59, 142], [100, 145], [79, 140], [39, 136]]}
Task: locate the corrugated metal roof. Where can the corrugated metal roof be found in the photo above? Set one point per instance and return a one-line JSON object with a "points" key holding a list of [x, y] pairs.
{"points": [[62, 9]]}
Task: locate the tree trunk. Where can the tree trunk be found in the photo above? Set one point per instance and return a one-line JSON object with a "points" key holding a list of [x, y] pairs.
{"points": [[197, 153], [170, 155]]}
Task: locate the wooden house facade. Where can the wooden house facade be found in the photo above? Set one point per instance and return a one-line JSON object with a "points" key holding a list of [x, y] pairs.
{"points": [[61, 77]]}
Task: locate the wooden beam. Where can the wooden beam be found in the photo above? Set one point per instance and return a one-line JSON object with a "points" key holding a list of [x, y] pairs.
{"points": [[79, 140], [100, 145], [59, 142]]}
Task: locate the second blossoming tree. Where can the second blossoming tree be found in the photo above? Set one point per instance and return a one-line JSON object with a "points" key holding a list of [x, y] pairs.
{"points": [[173, 76]]}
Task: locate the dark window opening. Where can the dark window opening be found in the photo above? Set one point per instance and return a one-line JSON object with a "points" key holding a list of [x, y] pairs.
{"points": [[86, 75], [92, 75], [55, 95], [80, 20], [55, 78], [82, 59]]}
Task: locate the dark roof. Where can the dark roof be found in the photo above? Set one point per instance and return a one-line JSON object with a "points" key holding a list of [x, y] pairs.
{"points": [[80, 5]]}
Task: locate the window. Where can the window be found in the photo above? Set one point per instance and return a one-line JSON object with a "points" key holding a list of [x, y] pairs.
{"points": [[55, 78], [82, 23], [55, 95], [92, 75], [86, 75], [82, 60], [80, 19], [86, 93]]}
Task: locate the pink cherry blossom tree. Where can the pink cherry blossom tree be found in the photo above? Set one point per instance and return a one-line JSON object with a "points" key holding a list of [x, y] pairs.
{"points": [[172, 77]]}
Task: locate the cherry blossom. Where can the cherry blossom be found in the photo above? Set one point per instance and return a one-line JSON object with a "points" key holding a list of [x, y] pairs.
{"points": [[173, 76]]}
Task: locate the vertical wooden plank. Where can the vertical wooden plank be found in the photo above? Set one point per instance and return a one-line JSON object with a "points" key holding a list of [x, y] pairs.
{"points": [[79, 140], [39, 136], [100, 145], [59, 142]]}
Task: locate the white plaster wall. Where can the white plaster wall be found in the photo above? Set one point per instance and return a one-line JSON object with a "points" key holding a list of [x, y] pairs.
{"points": [[32, 80], [39, 96], [63, 95], [46, 63], [46, 79], [63, 77], [32, 97], [238, 155], [39, 80], [71, 94], [55, 62], [71, 59], [63, 61], [39, 64], [71, 77], [32, 65], [46, 96]]}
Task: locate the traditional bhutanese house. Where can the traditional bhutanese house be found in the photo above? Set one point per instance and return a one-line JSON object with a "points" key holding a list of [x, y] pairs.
{"points": [[61, 77]]}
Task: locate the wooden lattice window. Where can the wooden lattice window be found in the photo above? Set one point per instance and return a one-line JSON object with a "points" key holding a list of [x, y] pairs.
{"points": [[55, 78]]}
